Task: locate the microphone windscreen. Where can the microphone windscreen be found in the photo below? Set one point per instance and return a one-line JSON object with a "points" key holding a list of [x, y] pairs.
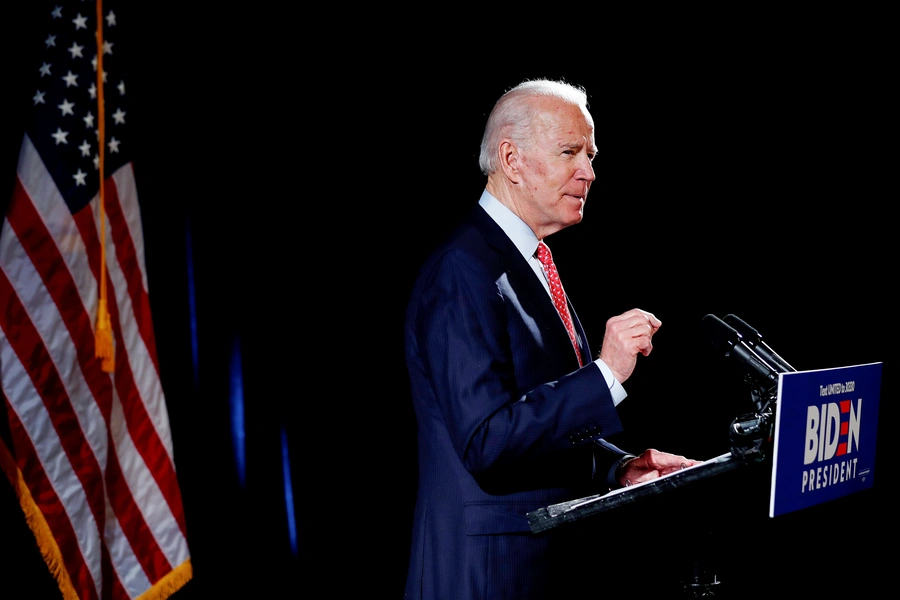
{"points": [[722, 336], [749, 334]]}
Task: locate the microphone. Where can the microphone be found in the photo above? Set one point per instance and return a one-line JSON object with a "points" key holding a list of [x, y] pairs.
{"points": [[727, 340], [753, 339]]}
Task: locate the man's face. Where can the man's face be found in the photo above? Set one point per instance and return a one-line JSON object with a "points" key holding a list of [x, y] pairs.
{"points": [[556, 171]]}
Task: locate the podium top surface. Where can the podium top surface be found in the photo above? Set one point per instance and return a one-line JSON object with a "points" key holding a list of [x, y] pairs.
{"points": [[564, 512]]}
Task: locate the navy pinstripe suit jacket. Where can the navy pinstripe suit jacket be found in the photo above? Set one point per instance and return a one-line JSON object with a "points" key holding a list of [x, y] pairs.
{"points": [[507, 421]]}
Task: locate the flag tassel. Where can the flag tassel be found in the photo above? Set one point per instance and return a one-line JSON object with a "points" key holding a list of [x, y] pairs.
{"points": [[103, 342]]}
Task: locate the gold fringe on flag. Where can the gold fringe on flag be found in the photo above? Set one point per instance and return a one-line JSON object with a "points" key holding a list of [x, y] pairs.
{"points": [[171, 583], [103, 334], [38, 524]]}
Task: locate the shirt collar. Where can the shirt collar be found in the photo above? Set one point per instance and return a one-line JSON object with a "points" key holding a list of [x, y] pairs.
{"points": [[514, 227]]}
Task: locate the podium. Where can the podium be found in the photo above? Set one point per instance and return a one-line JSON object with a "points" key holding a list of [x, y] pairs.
{"points": [[812, 437], [555, 515], [699, 539]]}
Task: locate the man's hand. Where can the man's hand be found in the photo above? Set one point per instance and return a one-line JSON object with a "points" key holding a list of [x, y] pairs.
{"points": [[626, 336], [651, 464]]}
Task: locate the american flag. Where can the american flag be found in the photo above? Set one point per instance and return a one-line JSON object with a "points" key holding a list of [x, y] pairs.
{"points": [[85, 438]]}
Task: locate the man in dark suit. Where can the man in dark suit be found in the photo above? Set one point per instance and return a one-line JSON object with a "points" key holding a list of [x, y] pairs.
{"points": [[511, 410]]}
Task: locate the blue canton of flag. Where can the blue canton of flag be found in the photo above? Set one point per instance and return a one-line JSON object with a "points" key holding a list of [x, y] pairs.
{"points": [[65, 128]]}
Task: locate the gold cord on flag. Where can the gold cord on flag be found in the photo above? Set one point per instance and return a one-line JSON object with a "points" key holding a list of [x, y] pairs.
{"points": [[103, 337]]}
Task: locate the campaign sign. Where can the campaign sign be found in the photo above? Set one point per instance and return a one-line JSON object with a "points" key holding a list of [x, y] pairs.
{"points": [[825, 427]]}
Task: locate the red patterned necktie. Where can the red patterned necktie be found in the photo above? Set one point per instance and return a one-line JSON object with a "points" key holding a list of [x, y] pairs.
{"points": [[558, 294]]}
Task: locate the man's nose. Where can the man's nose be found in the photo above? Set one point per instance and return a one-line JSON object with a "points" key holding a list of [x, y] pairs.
{"points": [[586, 168]]}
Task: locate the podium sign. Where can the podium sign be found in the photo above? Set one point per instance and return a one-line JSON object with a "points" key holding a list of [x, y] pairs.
{"points": [[825, 429]]}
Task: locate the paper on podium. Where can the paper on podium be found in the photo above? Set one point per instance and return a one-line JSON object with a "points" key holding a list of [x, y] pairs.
{"points": [[557, 514]]}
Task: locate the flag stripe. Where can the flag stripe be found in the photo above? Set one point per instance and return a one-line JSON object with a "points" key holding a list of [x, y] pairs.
{"points": [[132, 523], [67, 551], [138, 404], [28, 345], [127, 230], [144, 406], [29, 420]]}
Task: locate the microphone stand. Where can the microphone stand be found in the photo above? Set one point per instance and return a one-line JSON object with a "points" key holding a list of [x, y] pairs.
{"points": [[751, 434], [751, 437]]}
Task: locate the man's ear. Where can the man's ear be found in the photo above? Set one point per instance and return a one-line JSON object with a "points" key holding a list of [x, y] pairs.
{"points": [[508, 153]]}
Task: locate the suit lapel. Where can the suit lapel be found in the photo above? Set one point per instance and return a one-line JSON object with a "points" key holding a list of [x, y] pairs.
{"points": [[532, 294]]}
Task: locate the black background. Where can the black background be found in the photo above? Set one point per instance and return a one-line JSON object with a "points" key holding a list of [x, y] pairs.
{"points": [[740, 171]]}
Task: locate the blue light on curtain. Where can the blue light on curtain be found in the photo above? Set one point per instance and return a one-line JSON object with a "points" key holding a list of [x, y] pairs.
{"points": [[236, 399], [192, 301], [288, 491]]}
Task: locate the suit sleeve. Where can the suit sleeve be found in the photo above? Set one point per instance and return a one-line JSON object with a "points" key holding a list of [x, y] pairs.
{"points": [[473, 341]]}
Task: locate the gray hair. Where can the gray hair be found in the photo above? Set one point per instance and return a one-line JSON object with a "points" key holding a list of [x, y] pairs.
{"points": [[512, 115]]}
